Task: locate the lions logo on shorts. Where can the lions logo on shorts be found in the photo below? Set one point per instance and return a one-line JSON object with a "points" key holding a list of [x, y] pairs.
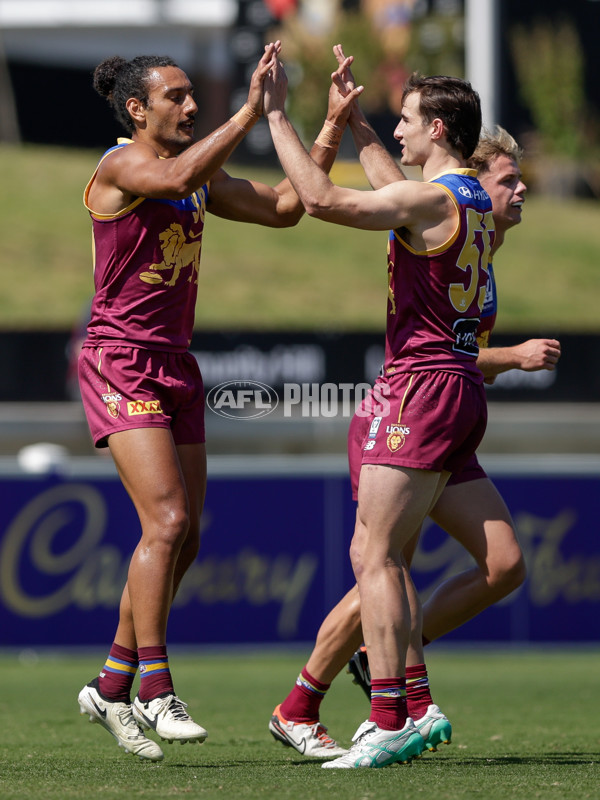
{"points": [[112, 402], [395, 441], [396, 436]]}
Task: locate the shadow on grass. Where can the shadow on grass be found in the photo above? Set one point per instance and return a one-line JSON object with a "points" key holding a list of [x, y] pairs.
{"points": [[537, 759], [542, 759], [244, 762]]}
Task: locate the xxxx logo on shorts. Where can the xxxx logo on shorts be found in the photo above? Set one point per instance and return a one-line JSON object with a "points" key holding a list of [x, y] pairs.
{"points": [[137, 407], [112, 401], [396, 436]]}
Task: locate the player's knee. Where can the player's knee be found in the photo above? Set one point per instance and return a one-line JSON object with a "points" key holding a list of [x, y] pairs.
{"points": [[509, 575], [173, 528], [357, 560]]}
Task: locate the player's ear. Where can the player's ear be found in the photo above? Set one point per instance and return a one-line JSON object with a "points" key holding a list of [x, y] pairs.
{"points": [[136, 110], [437, 129]]}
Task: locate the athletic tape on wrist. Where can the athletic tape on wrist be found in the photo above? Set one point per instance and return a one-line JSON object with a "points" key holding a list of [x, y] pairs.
{"points": [[245, 118], [330, 135]]}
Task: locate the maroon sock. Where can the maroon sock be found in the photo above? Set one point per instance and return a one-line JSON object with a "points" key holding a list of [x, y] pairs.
{"points": [[155, 675], [418, 694], [388, 703], [116, 678], [303, 702]]}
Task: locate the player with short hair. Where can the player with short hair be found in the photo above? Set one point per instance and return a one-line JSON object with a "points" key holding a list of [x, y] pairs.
{"points": [[427, 411], [470, 507], [141, 388]]}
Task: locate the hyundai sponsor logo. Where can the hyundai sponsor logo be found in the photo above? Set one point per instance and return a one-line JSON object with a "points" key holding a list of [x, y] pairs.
{"points": [[477, 194]]}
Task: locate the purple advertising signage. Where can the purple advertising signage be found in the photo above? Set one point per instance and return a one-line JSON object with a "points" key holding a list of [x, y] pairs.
{"points": [[274, 557]]}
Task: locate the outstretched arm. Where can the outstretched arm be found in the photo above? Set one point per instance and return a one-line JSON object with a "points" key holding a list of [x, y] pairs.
{"points": [[402, 203], [388, 207], [138, 170], [530, 356], [280, 206], [379, 166]]}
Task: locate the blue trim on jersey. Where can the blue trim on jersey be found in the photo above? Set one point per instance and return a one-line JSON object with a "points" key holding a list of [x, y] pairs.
{"points": [[115, 147], [187, 204], [463, 190]]}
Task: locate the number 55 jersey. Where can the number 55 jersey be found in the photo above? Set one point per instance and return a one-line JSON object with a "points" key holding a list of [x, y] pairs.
{"points": [[435, 297]]}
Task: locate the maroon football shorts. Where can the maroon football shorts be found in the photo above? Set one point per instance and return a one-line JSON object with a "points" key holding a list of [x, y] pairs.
{"points": [[422, 420], [123, 388]]}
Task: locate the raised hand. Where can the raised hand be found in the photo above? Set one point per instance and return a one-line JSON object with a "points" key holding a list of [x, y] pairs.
{"points": [[343, 91], [275, 88], [266, 63], [343, 77]]}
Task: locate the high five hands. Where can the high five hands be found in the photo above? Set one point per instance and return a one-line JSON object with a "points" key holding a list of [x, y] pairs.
{"points": [[342, 94], [266, 63]]}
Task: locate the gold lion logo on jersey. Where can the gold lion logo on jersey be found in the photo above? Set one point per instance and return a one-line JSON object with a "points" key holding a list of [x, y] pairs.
{"points": [[178, 253]]}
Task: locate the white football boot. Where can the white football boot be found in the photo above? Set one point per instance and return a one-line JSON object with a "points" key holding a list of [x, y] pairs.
{"points": [[374, 747], [167, 716], [118, 720], [309, 739], [434, 727]]}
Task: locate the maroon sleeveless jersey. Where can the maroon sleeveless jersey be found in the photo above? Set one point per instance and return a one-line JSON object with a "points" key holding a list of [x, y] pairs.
{"points": [[436, 297], [146, 262]]}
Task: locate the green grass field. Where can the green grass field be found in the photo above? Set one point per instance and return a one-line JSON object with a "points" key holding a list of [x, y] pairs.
{"points": [[315, 276], [526, 725]]}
